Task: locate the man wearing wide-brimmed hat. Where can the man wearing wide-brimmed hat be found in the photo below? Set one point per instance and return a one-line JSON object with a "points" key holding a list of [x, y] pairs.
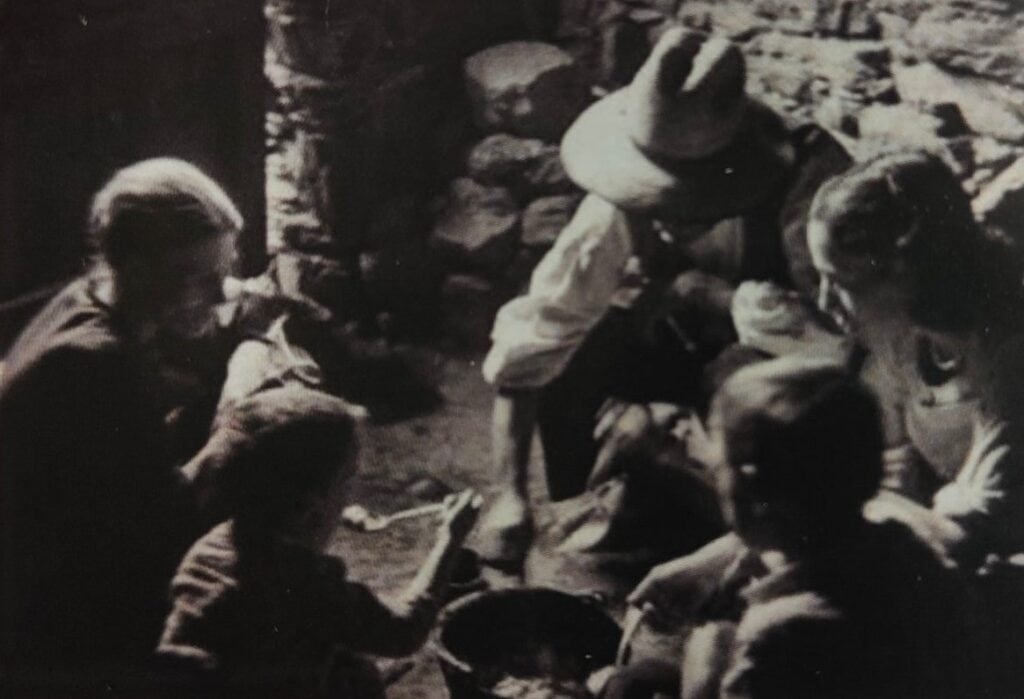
{"points": [[683, 170]]}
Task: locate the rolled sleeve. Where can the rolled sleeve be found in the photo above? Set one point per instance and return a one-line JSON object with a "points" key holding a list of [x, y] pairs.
{"points": [[535, 335]]}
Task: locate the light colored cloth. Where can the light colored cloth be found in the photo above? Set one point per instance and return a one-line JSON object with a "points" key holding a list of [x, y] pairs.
{"points": [[889, 371], [270, 361], [777, 321], [535, 335], [931, 425], [941, 432], [942, 404], [975, 451]]}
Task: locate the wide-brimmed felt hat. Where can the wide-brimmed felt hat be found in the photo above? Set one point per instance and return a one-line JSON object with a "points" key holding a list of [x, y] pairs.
{"points": [[683, 140]]}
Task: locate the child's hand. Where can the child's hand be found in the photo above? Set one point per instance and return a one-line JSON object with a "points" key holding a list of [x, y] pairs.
{"points": [[460, 513], [670, 594]]}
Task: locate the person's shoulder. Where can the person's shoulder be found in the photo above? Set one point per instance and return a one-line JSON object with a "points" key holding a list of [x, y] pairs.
{"points": [[56, 366], [71, 330], [796, 645], [814, 142], [817, 156]]}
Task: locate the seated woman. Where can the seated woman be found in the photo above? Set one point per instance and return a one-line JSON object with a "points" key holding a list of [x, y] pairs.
{"points": [[906, 268], [258, 609], [904, 264], [938, 305], [819, 601]]}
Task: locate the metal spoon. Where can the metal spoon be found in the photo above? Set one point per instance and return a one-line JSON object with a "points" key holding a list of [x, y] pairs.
{"points": [[359, 518]]}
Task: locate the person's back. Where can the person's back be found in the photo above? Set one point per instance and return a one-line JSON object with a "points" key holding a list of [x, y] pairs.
{"points": [[262, 616], [82, 453], [257, 608], [831, 604], [880, 616]]}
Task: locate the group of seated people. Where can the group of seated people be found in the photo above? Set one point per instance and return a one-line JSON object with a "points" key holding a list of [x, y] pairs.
{"points": [[829, 349], [850, 407]]}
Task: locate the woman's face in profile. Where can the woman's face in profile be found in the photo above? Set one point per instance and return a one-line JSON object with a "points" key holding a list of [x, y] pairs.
{"points": [[853, 290], [834, 295]]}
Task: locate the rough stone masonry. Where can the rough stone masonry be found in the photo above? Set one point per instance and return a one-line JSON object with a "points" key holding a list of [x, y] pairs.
{"points": [[945, 75]]}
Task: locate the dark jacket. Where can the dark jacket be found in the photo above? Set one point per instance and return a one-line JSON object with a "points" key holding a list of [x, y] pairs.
{"points": [[94, 515]]}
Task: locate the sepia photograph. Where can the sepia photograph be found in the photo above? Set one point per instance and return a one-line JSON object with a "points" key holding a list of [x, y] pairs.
{"points": [[512, 349]]}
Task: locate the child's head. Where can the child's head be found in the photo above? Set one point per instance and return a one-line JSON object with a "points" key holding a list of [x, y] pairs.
{"points": [[801, 448], [283, 458]]}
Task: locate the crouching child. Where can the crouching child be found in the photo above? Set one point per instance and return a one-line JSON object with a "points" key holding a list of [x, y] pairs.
{"points": [[258, 608], [806, 598]]}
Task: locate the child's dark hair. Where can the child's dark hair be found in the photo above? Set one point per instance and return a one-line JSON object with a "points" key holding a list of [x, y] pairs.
{"points": [[278, 448], [811, 431], [905, 212]]}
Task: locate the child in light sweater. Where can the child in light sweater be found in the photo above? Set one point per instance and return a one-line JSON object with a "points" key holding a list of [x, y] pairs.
{"points": [[258, 608]]}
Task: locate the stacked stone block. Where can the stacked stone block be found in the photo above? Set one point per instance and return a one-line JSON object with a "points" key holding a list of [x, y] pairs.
{"points": [[512, 197], [367, 107], [413, 148]]}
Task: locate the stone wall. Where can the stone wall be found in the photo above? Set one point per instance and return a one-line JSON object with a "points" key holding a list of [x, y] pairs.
{"points": [[367, 116], [414, 174], [511, 196]]}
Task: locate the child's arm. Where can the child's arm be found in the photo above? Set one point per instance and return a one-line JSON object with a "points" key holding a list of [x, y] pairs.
{"points": [[674, 590], [402, 627]]}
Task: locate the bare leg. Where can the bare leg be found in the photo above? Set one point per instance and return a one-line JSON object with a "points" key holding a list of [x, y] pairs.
{"points": [[507, 529]]}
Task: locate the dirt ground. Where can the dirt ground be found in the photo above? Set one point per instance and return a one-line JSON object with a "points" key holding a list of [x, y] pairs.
{"points": [[417, 461]]}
